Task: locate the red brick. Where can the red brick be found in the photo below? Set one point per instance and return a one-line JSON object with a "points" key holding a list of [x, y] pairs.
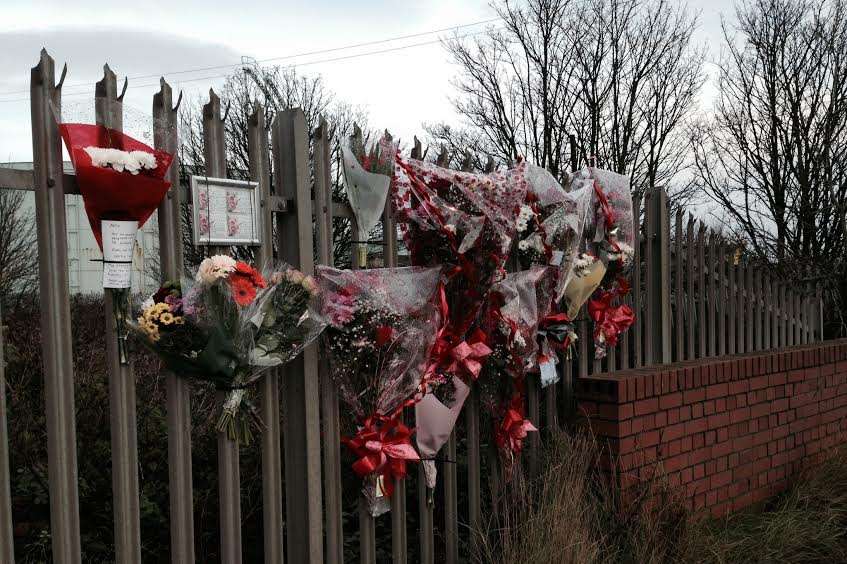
{"points": [[717, 391], [670, 400], [642, 407]]}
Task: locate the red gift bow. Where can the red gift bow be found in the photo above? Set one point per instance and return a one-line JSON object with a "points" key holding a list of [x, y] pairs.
{"points": [[107, 193], [514, 428], [610, 320], [382, 446], [467, 355]]}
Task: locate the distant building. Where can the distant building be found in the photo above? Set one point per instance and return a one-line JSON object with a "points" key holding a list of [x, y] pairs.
{"points": [[84, 270]]}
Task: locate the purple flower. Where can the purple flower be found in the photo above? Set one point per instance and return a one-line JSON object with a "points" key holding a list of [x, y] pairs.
{"points": [[175, 304]]}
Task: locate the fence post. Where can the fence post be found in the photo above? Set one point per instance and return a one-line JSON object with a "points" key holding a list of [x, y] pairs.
{"points": [[7, 546], [257, 149], [329, 395], [178, 390], [637, 285], [56, 348], [658, 278], [301, 397], [108, 109], [425, 509], [229, 473]]}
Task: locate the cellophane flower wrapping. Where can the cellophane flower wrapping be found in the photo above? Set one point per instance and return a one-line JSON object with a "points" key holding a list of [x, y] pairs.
{"points": [[466, 222], [381, 325], [367, 177], [227, 325], [607, 252], [463, 220], [511, 319]]}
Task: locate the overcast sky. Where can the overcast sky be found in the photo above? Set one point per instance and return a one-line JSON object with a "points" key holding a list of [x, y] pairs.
{"points": [[400, 89]]}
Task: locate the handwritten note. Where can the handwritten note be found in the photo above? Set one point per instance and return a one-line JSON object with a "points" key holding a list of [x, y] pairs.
{"points": [[118, 245]]}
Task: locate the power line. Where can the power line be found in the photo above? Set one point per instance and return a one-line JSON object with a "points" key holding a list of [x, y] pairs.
{"points": [[293, 65], [285, 57]]}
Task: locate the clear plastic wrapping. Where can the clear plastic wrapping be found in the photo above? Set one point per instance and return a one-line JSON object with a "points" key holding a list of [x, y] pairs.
{"points": [[227, 325], [381, 325]]}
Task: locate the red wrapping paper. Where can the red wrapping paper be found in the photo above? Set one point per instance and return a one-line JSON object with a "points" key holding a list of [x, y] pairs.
{"points": [[107, 193]]}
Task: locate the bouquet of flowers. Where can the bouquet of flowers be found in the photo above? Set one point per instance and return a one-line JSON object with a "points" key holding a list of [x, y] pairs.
{"points": [[511, 319], [367, 176], [122, 183], [227, 326], [607, 251], [466, 222], [381, 324]]}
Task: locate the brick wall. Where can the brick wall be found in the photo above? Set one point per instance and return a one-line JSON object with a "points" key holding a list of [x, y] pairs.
{"points": [[730, 431]]}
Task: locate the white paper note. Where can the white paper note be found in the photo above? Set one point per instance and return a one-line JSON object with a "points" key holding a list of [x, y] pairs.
{"points": [[118, 245], [548, 373]]}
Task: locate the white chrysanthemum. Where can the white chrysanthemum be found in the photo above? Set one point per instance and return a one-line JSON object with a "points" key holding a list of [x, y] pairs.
{"points": [[519, 340], [626, 253], [524, 216], [214, 268], [582, 263], [129, 161]]}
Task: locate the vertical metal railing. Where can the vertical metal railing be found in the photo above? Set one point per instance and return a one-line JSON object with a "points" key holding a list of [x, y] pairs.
{"points": [[108, 110], [165, 137], [46, 102], [301, 386]]}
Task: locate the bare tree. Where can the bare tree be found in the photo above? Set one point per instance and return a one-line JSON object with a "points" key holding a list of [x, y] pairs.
{"points": [[18, 249], [621, 76], [774, 157], [277, 89]]}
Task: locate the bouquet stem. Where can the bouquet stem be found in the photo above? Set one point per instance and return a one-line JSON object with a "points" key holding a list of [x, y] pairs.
{"points": [[120, 309], [238, 417]]}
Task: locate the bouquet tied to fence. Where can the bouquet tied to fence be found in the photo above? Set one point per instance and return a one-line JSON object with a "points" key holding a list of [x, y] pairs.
{"points": [[367, 177], [381, 324], [227, 326], [511, 319], [122, 183], [466, 222], [600, 272]]}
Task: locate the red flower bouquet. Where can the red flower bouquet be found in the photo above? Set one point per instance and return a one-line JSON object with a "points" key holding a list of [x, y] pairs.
{"points": [[381, 326], [466, 222], [511, 320], [122, 182]]}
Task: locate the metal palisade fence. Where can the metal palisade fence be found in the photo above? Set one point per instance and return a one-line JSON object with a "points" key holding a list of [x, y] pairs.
{"points": [[694, 293]]}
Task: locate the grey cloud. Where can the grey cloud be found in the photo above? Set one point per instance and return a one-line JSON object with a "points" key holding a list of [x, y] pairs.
{"points": [[128, 52]]}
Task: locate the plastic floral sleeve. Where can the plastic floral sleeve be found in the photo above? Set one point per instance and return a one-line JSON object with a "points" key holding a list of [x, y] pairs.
{"points": [[227, 325], [381, 325], [511, 321]]}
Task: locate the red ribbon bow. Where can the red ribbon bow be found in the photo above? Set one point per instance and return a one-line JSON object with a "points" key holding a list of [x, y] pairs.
{"points": [[513, 430], [383, 446], [467, 355], [610, 321]]}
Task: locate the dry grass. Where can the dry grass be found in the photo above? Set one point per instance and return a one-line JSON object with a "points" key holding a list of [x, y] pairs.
{"points": [[572, 514], [808, 524]]}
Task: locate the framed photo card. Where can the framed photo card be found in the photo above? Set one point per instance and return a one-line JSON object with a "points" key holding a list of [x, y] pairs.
{"points": [[225, 212]]}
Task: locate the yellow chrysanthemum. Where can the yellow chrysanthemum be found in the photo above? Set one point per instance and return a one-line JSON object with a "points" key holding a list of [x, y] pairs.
{"points": [[166, 318], [179, 320]]}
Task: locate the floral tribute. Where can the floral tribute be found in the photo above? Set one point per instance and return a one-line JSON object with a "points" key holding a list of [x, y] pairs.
{"points": [[381, 326], [466, 222], [227, 326], [122, 182], [599, 274], [367, 177], [511, 318]]}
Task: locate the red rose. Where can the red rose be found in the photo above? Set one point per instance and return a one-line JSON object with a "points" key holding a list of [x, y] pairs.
{"points": [[383, 335]]}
